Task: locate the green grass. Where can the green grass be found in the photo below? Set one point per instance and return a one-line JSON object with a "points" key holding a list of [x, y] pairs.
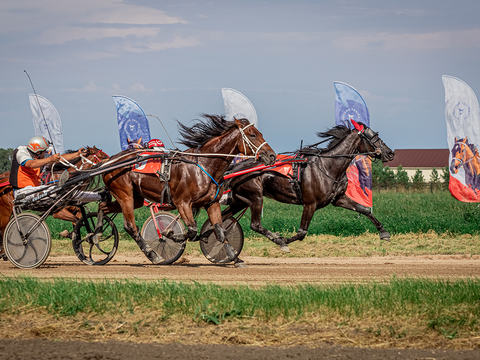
{"points": [[400, 213], [445, 306]]}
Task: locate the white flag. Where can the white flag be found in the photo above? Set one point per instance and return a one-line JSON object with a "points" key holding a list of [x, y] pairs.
{"points": [[238, 106], [462, 115], [47, 122]]}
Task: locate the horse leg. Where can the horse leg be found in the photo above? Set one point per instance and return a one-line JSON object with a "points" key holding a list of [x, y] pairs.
{"points": [[307, 214], [186, 212], [215, 215], [347, 203], [131, 228], [256, 225], [67, 215]]}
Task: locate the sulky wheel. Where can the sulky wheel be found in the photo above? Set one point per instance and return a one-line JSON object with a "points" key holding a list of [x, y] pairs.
{"points": [[33, 251], [214, 250], [95, 246], [169, 245]]}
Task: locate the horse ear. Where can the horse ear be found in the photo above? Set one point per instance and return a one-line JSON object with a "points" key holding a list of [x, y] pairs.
{"points": [[237, 122], [356, 125]]}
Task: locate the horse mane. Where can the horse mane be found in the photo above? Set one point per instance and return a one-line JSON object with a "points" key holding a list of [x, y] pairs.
{"points": [[203, 130], [334, 135]]}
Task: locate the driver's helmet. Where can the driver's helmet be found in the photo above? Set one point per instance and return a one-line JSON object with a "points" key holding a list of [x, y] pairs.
{"points": [[37, 144], [155, 143]]}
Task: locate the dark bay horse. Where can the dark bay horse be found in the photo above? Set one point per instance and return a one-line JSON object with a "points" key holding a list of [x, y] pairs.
{"points": [[323, 181], [93, 156], [195, 176]]}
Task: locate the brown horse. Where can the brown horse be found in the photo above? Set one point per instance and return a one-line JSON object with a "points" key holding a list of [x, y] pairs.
{"points": [[320, 181], [92, 157], [465, 154], [194, 179]]}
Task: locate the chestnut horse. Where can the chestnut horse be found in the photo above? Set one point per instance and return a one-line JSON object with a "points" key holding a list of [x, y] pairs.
{"points": [[464, 154], [195, 176], [322, 181], [92, 157]]}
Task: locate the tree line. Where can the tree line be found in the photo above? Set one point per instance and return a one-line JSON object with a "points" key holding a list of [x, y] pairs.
{"points": [[383, 177], [5, 159]]}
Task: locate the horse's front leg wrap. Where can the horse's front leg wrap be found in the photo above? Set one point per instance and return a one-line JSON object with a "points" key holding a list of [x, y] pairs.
{"points": [[220, 234], [146, 249]]}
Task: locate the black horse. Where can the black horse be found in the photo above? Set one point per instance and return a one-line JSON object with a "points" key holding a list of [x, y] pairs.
{"points": [[319, 181]]}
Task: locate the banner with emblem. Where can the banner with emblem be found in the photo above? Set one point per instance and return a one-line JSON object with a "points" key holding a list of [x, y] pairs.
{"points": [[46, 121], [462, 115], [132, 122], [238, 106], [349, 105]]}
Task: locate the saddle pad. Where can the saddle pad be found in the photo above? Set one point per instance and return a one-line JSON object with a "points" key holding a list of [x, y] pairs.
{"points": [[150, 166], [284, 169]]}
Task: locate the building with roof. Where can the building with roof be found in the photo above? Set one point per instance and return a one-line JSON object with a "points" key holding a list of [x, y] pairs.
{"points": [[424, 160]]}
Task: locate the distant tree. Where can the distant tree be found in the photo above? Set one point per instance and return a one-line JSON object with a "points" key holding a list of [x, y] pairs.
{"points": [[377, 170], [418, 181], [401, 177], [445, 177], [388, 177], [434, 180], [5, 159]]}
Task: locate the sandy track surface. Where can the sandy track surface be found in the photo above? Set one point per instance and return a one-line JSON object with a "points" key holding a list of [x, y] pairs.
{"points": [[45, 349], [260, 270]]}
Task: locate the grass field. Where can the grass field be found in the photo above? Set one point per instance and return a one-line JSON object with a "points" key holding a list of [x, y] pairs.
{"points": [[400, 312], [420, 223], [400, 213]]}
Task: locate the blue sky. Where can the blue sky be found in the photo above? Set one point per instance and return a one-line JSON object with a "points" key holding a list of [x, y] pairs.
{"points": [[173, 58]]}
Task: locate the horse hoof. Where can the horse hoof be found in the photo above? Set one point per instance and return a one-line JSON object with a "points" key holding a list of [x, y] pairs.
{"points": [[240, 265], [285, 248], [182, 260], [154, 258], [65, 234], [385, 235], [231, 253]]}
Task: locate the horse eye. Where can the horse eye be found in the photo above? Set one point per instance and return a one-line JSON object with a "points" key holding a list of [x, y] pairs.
{"points": [[253, 135]]}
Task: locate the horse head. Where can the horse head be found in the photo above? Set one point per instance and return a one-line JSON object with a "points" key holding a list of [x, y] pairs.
{"points": [[459, 154], [94, 155], [372, 143], [253, 144]]}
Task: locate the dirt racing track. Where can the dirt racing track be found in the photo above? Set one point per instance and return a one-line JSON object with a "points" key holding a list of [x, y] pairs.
{"points": [[260, 271]]}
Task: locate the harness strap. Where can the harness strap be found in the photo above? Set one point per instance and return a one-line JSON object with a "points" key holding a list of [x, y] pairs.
{"points": [[214, 181]]}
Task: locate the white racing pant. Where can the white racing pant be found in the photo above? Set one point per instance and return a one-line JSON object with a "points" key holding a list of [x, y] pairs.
{"points": [[48, 192]]}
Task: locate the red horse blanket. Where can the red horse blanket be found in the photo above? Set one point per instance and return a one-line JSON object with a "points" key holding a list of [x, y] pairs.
{"points": [[150, 166]]}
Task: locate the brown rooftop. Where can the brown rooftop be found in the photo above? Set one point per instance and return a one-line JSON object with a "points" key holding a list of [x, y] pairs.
{"points": [[419, 158]]}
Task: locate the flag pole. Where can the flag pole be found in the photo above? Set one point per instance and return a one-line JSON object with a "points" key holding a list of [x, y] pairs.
{"points": [[41, 111], [161, 123]]}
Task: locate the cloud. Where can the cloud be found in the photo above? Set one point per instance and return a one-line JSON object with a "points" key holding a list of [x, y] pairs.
{"points": [[415, 41], [154, 45], [66, 34], [89, 87]]}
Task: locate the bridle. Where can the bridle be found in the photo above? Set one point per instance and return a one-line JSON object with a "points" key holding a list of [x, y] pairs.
{"points": [[461, 161], [246, 141], [370, 136], [84, 160]]}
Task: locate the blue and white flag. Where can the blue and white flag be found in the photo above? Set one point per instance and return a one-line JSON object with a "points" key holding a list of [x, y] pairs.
{"points": [[238, 106], [132, 123], [46, 121], [349, 105]]}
